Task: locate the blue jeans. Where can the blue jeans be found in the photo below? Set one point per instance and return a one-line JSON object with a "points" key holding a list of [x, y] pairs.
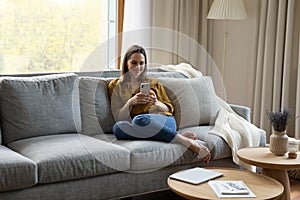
{"points": [[147, 126]]}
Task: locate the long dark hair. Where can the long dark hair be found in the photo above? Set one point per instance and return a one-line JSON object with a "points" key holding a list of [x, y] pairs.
{"points": [[131, 50]]}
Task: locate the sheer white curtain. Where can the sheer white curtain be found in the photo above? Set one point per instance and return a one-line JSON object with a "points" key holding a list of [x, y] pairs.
{"points": [[180, 26], [187, 17], [277, 71], [297, 120], [137, 18]]}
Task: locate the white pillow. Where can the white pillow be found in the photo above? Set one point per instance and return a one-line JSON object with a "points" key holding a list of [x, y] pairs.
{"points": [[194, 100]]}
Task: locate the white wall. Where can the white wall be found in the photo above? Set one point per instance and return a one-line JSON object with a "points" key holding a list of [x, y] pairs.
{"points": [[241, 53]]}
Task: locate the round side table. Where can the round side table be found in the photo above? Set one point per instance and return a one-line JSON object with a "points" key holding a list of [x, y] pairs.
{"points": [[262, 186], [273, 166]]}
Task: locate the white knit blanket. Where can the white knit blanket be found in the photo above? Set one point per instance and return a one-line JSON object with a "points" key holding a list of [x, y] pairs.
{"points": [[235, 130], [183, 68]]}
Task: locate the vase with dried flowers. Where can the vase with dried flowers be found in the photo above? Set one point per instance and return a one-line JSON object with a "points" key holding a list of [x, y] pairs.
{"points": [[279, 138]]}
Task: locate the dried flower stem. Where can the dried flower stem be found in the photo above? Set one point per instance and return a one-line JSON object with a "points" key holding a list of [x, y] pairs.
{"points": [[279, 120]]}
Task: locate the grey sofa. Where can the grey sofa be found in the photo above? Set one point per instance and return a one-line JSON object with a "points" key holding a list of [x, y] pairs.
{"points": [[56, 140]]}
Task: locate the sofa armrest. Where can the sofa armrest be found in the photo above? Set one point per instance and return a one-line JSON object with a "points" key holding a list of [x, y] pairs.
{"points": [[263, 138], [243, 111]]}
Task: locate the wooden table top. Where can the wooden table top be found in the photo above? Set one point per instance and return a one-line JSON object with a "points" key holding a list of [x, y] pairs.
{"points": [[262, 157], [262, 186]]}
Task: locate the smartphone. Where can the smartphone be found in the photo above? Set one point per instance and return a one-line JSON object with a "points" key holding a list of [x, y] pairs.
{"points": [[145, 88]]}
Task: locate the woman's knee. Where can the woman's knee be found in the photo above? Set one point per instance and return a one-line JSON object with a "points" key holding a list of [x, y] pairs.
{"points": [[123, 130], [119, 129], [116, 130], [141, 120]]}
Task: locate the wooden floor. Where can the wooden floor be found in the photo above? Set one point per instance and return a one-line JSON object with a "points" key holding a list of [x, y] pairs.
{"points": [[169, 195], [295, 189]]}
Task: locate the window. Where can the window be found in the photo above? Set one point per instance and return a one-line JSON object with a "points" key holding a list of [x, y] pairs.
{"points": [[53, 35]]}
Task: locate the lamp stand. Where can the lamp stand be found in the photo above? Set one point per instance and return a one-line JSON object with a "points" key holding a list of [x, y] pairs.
{"points": [[226, 33]]}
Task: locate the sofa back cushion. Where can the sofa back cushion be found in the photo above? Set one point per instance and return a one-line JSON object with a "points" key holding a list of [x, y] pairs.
{"points": [[194, 100], [38, 105], [95, 106], [96, 115]]}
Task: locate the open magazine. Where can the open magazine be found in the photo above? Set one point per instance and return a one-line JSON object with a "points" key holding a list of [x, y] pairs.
{"points": [[231, 188]]}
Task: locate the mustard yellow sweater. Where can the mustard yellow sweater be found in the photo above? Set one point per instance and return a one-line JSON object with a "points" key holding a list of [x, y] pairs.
{"points": [[120, 91]]}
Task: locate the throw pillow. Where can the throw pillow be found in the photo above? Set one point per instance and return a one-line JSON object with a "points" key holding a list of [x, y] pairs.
{"points": [[38, 105], [96, 115], [194, 100]]}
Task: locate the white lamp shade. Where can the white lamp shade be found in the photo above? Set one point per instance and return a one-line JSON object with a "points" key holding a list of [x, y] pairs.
{"points": [[227, 10]]}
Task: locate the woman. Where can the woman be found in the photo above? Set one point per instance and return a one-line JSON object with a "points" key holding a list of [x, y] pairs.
{"points": [[145, 116]]}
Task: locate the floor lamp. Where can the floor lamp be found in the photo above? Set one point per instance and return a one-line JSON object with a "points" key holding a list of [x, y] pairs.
{"points": [[227, 10]]}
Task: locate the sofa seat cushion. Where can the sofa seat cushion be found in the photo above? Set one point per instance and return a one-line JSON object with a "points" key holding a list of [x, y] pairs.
{"points": [[218, 147], [152, 155], [38, 105], [72, 156], [16, 171]]}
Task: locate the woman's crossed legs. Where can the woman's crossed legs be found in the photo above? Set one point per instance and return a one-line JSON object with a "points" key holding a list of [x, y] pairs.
{"points": [[160, 128]]}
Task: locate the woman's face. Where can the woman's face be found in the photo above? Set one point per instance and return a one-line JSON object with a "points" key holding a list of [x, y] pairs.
{"points": [[136, 65]]}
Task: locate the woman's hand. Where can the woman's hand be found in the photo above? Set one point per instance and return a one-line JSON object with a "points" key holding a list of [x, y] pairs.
{"points": [[158, 106], [141, 98]]}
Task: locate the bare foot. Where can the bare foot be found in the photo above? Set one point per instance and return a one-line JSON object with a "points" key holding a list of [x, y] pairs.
{"points": [[191, 143], [189, 134], [201, 151]]}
